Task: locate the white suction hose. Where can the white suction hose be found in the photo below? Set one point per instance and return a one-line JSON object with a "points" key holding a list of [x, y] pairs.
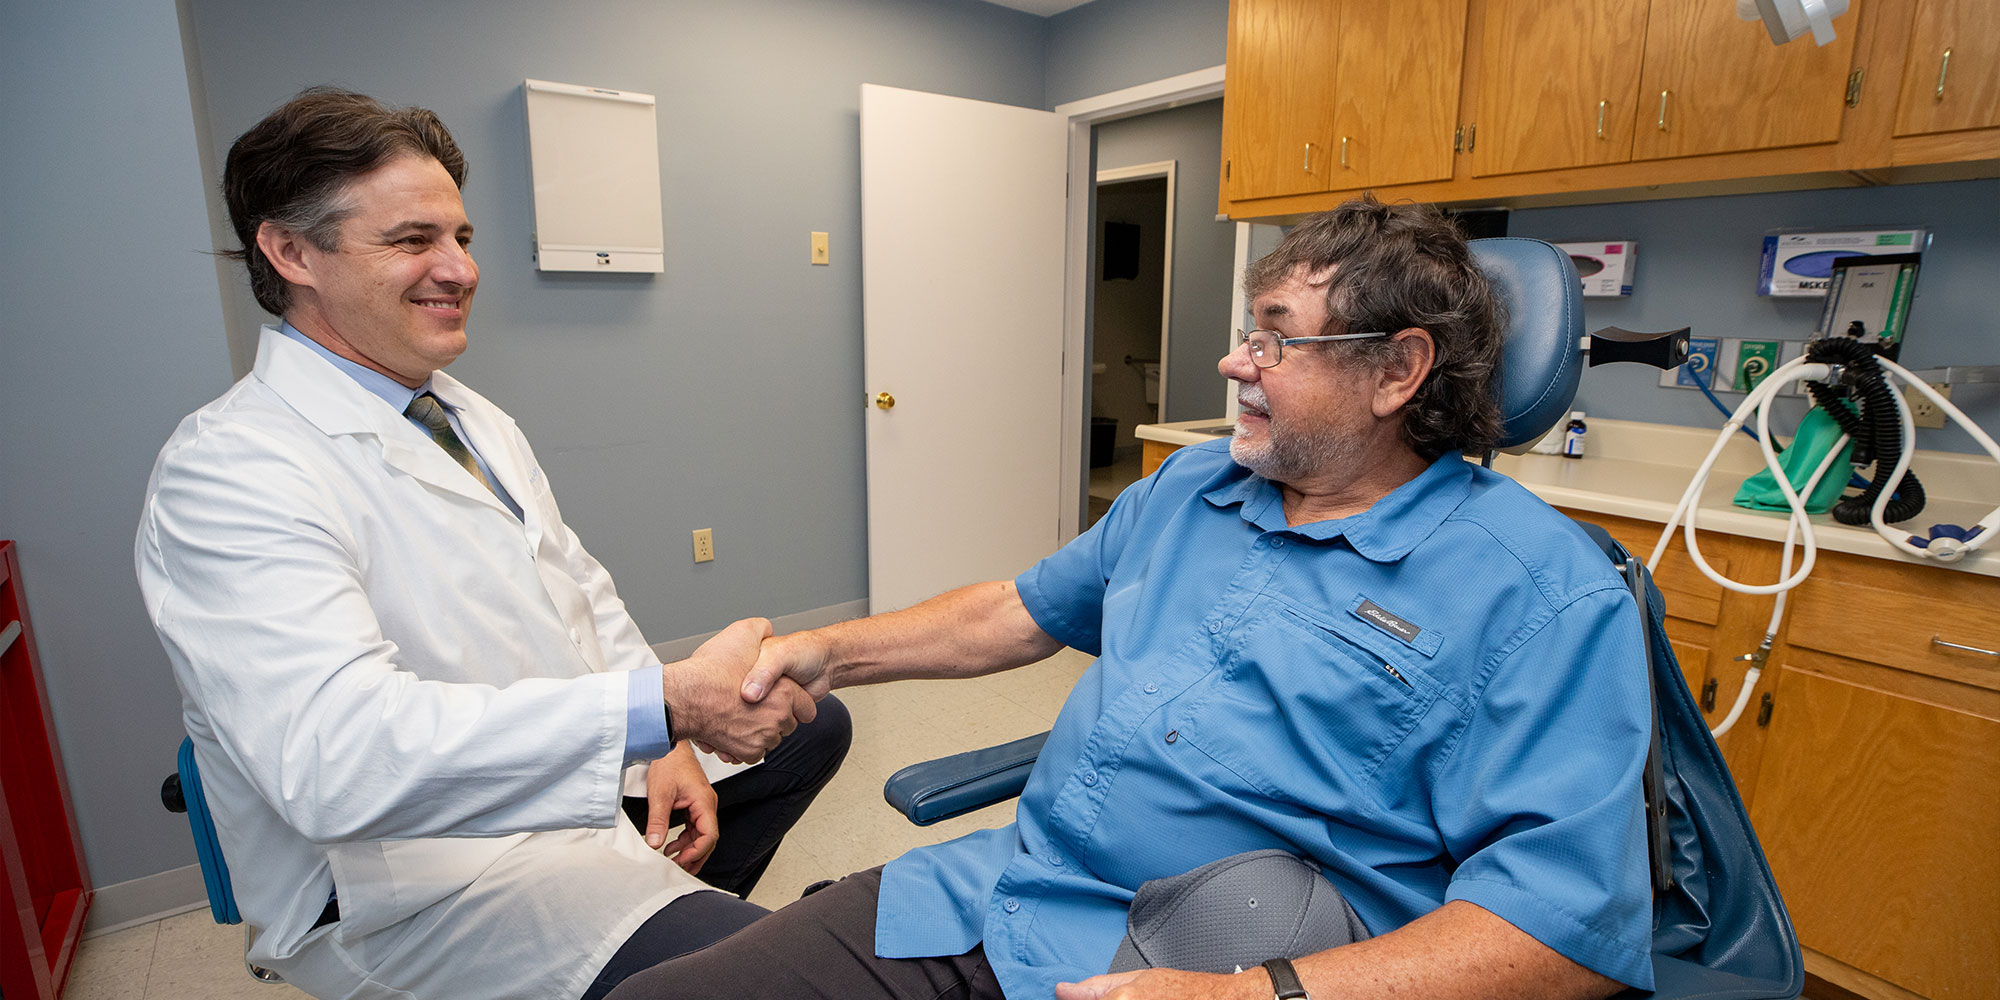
{"points": [[1799, 527]]}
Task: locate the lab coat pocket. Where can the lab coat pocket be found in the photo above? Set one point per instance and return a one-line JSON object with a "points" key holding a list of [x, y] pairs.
{"points": [[1307, 710], [380, 883]]}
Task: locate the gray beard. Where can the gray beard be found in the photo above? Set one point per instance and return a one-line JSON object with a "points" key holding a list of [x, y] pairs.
{"points": [[1291, 454]]}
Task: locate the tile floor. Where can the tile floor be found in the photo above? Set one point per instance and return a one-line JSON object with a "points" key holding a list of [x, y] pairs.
{"points": [[848, 828]]}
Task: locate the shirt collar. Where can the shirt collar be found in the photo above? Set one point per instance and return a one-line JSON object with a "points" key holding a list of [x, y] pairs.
{"points": [[395, 393], [1384, 532]]}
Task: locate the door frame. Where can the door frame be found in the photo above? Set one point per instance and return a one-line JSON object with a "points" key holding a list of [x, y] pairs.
{"points": [[1141, 172], [1160, 95]]}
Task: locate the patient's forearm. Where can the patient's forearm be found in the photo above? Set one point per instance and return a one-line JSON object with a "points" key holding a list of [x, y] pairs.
{"points": [[1456, 951], [974, 630]]}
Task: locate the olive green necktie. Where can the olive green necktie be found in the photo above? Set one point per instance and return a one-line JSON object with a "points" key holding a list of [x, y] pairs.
{"points": [[426, 410]]}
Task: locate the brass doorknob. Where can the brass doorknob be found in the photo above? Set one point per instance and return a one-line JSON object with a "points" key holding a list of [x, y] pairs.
{"points": [[884, 401]]}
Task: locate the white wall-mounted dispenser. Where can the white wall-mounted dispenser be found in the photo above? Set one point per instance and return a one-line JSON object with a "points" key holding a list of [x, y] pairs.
{"points": [[595, 158]]}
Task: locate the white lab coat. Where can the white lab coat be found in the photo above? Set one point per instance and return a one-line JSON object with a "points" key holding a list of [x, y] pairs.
{"points": [[395, 687]]}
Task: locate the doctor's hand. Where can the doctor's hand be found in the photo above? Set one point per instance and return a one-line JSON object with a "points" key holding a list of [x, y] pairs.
{"points": [[676, 783], [702, 697], [1169, 984], [798, 656]]}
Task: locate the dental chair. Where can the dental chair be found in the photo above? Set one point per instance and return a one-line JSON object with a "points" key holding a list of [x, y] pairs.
{"points": [[1720, 931]]}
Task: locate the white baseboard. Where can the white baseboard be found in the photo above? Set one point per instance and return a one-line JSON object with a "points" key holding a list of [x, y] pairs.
{"points": [[178, 890], [144, 900]]}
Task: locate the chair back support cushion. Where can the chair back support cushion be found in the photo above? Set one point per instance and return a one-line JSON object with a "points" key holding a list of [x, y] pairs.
{"points": [[1540, 361]]}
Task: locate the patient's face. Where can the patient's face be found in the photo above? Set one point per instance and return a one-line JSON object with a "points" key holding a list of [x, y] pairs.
{"points": [[1308, 413]]}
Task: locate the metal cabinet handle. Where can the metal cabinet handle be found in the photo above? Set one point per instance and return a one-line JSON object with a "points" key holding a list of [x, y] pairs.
{"points": [[1663, 109], [1600, 118], [1935, 641], [1343, 151], [1307, 166], [1944, 66]]}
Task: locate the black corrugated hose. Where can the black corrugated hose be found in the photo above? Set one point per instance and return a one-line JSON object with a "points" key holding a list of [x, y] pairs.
{"points": [[1877, 431]]}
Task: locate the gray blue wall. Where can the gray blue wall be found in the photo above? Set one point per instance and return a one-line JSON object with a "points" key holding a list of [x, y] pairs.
{"points": [[1109, 45], [110, 332], [1698, 260], [1203, 248]]}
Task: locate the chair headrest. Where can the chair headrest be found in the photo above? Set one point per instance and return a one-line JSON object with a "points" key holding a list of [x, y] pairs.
{"points": [[1540, 362]]}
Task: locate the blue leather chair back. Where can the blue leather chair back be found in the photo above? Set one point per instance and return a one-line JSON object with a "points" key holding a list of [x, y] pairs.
{"points": [[1541, 361]]}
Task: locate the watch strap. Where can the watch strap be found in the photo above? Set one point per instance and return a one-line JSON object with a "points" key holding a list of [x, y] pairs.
{"points": [[1285, 983]]}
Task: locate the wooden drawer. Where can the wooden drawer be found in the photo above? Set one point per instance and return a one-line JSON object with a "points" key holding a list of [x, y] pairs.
{"points": [[1689, 594], [1896, 615]]}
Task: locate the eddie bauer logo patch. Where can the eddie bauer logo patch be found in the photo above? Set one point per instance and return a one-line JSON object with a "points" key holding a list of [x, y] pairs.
{"points": [[1387, 622]]}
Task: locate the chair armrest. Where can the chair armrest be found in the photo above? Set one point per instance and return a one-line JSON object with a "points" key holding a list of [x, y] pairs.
{"points": [[950, 786]]}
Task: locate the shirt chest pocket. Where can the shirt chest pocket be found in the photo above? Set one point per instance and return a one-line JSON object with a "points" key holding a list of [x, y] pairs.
{"points": [[1306, 710]]}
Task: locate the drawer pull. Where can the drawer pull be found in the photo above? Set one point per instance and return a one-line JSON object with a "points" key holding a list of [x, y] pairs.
{"points": [[1935, 641]]}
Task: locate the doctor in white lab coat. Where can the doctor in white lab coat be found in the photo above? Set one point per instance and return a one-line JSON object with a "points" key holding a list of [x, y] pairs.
{"points": [[414, 696]]}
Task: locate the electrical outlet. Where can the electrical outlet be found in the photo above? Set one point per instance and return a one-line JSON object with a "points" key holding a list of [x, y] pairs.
{"points": [[1923, 412], [704, 545]]}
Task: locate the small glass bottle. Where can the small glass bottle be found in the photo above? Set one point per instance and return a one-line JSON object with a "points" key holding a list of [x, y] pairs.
{"points": [[1573, 435]]}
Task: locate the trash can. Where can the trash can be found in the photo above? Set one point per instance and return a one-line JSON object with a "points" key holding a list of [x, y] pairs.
{"points": [[1103, 441]]}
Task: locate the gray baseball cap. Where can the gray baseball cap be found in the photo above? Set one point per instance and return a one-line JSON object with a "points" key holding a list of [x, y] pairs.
{"points": [[1235, 913]]}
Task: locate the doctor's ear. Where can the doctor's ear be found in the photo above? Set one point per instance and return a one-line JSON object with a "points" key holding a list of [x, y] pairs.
{"points": [[287, 251]]}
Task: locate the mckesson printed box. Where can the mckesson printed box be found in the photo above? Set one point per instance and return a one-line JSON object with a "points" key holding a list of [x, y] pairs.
{"points": [[1800, 264], [1606, 268]]}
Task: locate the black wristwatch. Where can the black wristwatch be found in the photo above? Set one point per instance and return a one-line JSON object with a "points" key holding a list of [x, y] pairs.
{"points": [[1285, 983]]}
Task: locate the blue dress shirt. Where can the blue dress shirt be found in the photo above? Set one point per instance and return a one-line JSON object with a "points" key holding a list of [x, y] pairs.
{"points": [[1443, 697], [646, 736]]}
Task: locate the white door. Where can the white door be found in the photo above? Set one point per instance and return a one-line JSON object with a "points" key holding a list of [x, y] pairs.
{"points": [[962, 216]]}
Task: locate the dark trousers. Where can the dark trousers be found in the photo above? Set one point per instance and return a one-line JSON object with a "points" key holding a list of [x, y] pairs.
{"points": [[821, 946], [754, 811]]}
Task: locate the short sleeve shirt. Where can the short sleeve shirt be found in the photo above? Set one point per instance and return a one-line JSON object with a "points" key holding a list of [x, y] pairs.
{"points": [[1442, 697]]}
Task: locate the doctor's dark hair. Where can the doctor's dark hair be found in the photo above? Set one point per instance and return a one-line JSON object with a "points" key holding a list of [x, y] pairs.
{"points": [[293, 169], [1395, 267]]}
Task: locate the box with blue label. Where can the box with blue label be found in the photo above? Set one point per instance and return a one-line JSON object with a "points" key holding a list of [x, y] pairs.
{"points": [[1799, 264], [1606, 268]]}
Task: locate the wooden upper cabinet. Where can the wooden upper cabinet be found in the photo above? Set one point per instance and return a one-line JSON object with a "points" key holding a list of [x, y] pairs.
{"points": [[1397, 76], [1963, 92], [1713, 83], [1558, 84], [1277, 113]]}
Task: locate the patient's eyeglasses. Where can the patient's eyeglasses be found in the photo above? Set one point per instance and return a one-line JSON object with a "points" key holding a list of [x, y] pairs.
{"points": [[1267, 348]]}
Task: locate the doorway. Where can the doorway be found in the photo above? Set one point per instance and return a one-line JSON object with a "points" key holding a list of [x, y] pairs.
{"points": [[1131, 304]]}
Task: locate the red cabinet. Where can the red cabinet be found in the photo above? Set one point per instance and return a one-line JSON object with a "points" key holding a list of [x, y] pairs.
{"points": [[44, 889]]}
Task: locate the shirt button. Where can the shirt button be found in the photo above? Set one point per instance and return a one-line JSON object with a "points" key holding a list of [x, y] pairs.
{"points": [[1056, 860], [1215, 626], [1011, 905], [1152, 688], [1090, 777], [1278, 543]]}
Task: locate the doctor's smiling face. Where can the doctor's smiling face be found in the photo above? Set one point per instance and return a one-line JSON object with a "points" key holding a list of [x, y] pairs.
{"points": [[394, 292]]}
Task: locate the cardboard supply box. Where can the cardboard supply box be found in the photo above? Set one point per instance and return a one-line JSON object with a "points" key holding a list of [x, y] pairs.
{"points": [[1606, 268], [1801, 264]]}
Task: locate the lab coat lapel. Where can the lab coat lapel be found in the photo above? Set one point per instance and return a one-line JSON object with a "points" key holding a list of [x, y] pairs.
{"points": [[337, 406]]}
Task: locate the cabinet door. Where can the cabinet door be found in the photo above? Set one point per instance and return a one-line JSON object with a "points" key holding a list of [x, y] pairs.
{"points": [[1558, 84], [1878, 810], [1965, 92], [1397, 76], [1277, 109], [1713, 83]]}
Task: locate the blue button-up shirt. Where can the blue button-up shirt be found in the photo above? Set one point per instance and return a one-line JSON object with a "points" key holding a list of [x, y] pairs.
{"points": [[1443, 697]]}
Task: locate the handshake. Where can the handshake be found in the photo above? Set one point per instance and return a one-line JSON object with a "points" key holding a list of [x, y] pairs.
{"points": [[744, 690]]}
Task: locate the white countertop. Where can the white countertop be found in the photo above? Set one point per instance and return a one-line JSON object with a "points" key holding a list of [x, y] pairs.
{"points": [[1640, 470]]}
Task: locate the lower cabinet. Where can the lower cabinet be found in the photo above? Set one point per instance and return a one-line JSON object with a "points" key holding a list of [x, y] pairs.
{"points": [[1869, 757]]}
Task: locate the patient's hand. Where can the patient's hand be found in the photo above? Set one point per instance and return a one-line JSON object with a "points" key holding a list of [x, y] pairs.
{"points": [[702, 692], [1168, 984], [798, 656]]}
